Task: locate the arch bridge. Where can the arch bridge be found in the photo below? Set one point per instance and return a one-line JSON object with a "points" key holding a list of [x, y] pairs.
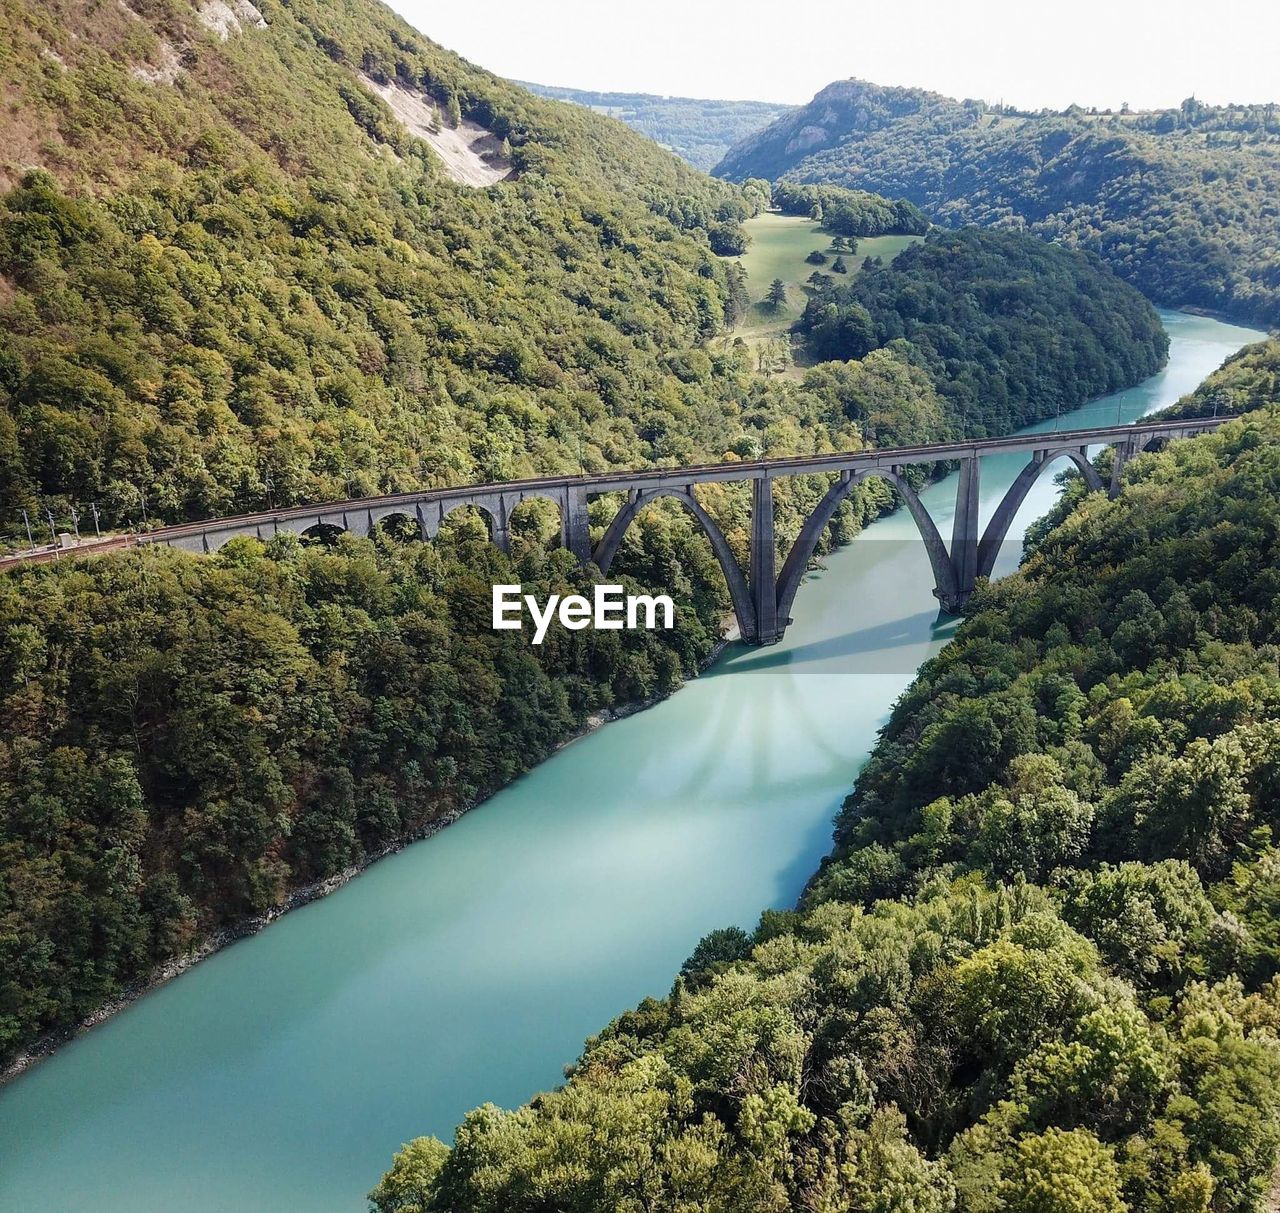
{"points": [[762, 594]]}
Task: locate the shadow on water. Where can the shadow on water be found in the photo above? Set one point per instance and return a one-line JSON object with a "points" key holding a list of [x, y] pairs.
{"points": [[927, 626], [794, 876]]}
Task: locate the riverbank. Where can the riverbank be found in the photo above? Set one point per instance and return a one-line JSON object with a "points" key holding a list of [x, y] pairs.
{"points": [[48, 1045]]}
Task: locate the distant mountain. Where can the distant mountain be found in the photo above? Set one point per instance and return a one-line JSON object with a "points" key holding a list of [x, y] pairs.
{"points": [[700, 131], [1183, 202]]}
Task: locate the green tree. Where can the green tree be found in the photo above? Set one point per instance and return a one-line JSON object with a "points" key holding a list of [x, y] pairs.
{"points": [[407, 1186], [1061, 1171], [715, 952]]}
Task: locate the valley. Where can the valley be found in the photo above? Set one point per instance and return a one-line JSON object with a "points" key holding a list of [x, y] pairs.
{"points": [[307, 855], [472, 965]]}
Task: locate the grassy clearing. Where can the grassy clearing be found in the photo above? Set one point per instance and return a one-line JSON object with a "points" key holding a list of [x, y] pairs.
{"points": [[779, 246]]}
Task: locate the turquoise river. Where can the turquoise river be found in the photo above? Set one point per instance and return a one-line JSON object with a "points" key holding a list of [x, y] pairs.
{"points": [[280, 1075]]}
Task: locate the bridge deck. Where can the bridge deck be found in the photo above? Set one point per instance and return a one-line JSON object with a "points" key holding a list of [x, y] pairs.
{"points": [[645, 478], [795, 465]]}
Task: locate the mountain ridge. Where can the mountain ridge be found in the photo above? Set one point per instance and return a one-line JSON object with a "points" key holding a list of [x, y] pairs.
{"points": [[698, 129], [1180, 202]]}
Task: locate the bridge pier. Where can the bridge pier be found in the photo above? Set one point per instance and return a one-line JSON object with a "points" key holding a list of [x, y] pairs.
{"points": [[964, 539], [763, 580], [575, 534], [499, 524], [1123, 453]]}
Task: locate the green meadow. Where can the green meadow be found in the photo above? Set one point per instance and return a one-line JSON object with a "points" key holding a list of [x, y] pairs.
{"points": [[778, 248]]}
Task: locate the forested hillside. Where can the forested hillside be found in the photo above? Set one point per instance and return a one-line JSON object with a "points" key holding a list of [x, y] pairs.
{"points": [[699, 131], [1182, 203], [237, 279], [1247, 382], [1039, 974], [1011, 330]]}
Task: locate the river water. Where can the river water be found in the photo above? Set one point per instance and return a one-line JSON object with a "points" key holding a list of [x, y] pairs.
{"points": [[280, 1074]]}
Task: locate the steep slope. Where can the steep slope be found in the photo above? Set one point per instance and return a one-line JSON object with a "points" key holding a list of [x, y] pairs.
{"points": [[700, 131], [1041, 970], [838, 113], [1247, 382], [237, 278], [1183, 203], [972, 308]]}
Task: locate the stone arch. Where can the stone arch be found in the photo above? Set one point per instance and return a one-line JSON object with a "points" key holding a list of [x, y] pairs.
{"points": [[524, 507], [998, 528], [739, 593], [212, 539], [321, 531], [493, 512], [1147, 442], [365, 521], [797, 561], [570, 502], [397, 524]]}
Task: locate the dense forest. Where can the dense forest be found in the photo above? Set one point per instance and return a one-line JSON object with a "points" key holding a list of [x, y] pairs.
{"points": [[1040, 973], [698, 131], [1179, 202], [183, 740], [1011, 329], [850, 212], [236, 280]]}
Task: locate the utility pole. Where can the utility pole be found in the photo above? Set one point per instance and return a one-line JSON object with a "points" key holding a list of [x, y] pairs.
{"points": [[75, 523], [31, 539], [53, 532], [97, 530]]}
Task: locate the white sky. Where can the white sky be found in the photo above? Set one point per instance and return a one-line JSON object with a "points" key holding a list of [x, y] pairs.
{"points": [[1026, 52]]}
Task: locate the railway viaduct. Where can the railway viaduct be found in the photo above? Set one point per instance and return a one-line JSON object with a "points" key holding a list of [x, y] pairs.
{"points": [[762, 593]]}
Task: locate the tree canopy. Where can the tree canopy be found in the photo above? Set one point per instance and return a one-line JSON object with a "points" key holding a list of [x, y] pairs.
{"points": [[976, 308], [253, 286]]}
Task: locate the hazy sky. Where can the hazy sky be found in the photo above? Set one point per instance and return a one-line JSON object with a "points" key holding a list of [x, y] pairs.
{"points": [[1095, 52]]}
